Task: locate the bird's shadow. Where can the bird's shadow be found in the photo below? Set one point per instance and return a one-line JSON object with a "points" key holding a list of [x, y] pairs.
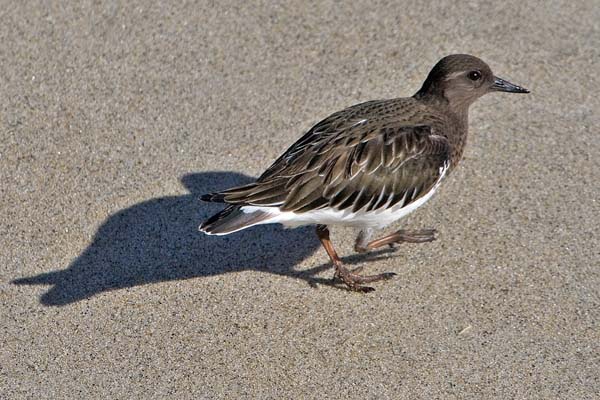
{"points": [[158, 240]]}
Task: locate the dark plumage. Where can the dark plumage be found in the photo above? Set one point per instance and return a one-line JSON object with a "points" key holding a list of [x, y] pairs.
{"points": [[348, 164], [366, 165]]}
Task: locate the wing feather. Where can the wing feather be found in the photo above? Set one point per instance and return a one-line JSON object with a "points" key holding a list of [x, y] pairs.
{"points": [[351, 162]]}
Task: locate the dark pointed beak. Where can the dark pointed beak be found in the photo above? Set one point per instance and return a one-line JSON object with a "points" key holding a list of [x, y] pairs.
{"points": [[501, 85]]}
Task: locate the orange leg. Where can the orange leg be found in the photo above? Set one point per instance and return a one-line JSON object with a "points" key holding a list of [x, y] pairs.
{"points": [[351, 279], [401, 236]]}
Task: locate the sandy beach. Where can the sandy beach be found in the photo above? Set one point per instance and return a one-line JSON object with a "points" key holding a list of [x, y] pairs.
{"points": [[116, 116]]}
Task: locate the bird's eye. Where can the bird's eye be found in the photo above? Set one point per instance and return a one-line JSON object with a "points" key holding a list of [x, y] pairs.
{"points": [[474, 75]]}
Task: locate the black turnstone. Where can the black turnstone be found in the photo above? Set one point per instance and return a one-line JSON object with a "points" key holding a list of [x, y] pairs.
{"points": [[366, 166]]}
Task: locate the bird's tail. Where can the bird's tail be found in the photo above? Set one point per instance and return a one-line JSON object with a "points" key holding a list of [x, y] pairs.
{"points": [[233, 219]]}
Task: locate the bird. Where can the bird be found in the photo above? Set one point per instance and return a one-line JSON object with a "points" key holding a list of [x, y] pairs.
{"points": [[366, 166]]}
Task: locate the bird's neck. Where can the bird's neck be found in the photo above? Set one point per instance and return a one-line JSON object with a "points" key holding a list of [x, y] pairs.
{"points": [[457, 116], [458, 134], [435, 97]]}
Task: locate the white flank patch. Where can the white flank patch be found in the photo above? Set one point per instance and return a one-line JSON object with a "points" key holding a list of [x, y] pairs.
{"points": [[372, 219]]}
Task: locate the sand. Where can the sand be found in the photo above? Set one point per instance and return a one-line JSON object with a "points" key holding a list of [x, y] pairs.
{"points": [[116, 116]]}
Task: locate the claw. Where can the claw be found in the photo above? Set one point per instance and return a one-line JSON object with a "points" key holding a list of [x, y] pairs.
{"points": [[363, 289], [354, 281], [388, 275]]}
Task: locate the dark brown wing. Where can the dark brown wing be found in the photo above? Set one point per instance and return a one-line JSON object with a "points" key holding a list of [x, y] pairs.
{"points": [[350, 162], [345, 122]]}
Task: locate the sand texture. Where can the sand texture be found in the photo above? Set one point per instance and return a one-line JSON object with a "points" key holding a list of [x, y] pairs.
{"points": [[116, 116]]}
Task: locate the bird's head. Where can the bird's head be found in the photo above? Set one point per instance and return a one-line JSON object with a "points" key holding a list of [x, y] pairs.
{"points": [[460, 79]]}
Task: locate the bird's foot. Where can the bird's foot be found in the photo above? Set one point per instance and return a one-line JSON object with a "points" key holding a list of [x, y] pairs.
{"points": [[402, 236], [354, 281]]}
